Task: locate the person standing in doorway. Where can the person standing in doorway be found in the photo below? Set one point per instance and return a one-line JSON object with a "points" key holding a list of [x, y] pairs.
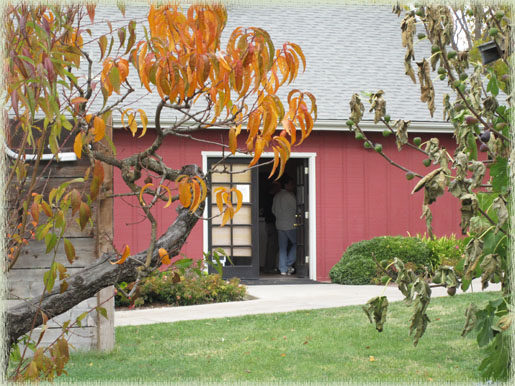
{"points": [[284, 208], [272, 243]]}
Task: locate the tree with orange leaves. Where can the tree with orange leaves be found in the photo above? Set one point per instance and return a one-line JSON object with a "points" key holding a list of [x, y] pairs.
{"points": [[58, 92]]}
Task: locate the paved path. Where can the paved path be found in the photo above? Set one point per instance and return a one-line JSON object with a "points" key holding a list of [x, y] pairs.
{"points": [[274, 298]]}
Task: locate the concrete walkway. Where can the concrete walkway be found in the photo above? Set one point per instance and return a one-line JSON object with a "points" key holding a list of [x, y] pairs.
{"points": [[275, 298]]}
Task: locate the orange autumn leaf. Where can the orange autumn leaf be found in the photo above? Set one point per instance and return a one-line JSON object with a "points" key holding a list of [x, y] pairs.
{"points": [[203, 188], [223, 198], [78, 100], [142, 202], [185, 196], [258, 150], [144, 122], [276, 161], [125, 254], [239, 199], [77, 145], [219, 200], [99, 127], [232, 140], [290, 129], [228, 214], [196, 195], [169, 201], [163, 255]]}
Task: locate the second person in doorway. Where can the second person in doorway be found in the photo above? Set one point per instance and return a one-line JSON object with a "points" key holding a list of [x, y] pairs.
{"points": [[284, 209]]}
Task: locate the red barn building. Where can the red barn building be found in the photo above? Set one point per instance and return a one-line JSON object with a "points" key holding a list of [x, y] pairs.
{"points": [[345, 193]]}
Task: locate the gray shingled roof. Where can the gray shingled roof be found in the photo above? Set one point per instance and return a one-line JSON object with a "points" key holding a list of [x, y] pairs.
{"points": [[349, 48]]}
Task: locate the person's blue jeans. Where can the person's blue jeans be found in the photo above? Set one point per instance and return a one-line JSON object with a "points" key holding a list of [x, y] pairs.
{"points": [[287, 257]]}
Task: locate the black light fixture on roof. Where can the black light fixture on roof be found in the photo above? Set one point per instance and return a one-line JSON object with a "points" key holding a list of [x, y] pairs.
{"points": [[489, 52]]}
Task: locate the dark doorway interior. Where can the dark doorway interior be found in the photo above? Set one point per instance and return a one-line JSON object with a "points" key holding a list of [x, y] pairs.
{"points": [[268, 242]]}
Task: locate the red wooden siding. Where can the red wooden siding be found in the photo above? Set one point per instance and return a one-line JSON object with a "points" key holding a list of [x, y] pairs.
{"points": [[359, 194]]}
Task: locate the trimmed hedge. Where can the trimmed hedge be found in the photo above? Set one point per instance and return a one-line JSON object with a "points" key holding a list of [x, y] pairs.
{"points": [[357, 265]]}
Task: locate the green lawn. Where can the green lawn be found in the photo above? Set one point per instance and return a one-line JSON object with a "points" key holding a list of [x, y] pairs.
{"points": [[330, 345]]}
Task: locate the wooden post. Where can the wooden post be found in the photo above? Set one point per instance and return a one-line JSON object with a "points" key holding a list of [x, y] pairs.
{"points": [[105, 298]]}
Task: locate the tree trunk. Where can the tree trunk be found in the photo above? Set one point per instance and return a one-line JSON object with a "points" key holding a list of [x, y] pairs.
{"points": [[88, 282]]}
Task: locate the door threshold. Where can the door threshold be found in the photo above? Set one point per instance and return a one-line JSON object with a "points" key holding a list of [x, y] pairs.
{"points": [[275, 279]]}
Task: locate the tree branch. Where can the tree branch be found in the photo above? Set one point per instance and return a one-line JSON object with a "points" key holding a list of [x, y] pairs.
{"points": [[389, 159], [93, 278]]}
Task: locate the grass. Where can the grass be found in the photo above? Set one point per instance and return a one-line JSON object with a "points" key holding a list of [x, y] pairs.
{"points": [[330, 345]]}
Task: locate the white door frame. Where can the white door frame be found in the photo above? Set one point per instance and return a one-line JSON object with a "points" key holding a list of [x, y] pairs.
{"points": [[312, 202]]}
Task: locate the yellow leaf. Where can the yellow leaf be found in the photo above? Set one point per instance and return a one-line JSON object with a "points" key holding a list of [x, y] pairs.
{"points": [[239, 202], [276, 161], [77, 145], [219, 200], [290, 128], [46, 208], [258, 150], [292, 93], [133, 126], [196, 195], [232, 140], [123, 67], [124, 112], [180, 177], [283, 142], [78, 100], [269, 123], [238, 128], [277, 106], [203, 188], [253, 125], [169, 202], [126, 252], [226, 196], [228, 214], [142, 191], [313, 104], [295, 60], [165, 258], [185, 193], [284, 157], [159, 82], [88, 117], [223, 62], [283, 67], [99, 128], [302, 124], [307, 116], [144, 121], [141, 67], [371, 358]]}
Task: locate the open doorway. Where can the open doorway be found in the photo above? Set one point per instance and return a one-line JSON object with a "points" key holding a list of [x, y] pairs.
{"points": [[245, 237], [296, 171]]}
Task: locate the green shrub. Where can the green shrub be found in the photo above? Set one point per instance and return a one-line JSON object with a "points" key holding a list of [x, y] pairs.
{"points": [[192, 288], [357, 266], [447, 250], [359, 270]]}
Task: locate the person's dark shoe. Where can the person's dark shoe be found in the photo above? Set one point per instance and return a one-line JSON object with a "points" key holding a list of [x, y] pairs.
{"points": [[290, 271]]}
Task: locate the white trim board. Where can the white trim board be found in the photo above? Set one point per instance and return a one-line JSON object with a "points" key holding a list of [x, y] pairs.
{"points": [[426, 127], [312, 202]]}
